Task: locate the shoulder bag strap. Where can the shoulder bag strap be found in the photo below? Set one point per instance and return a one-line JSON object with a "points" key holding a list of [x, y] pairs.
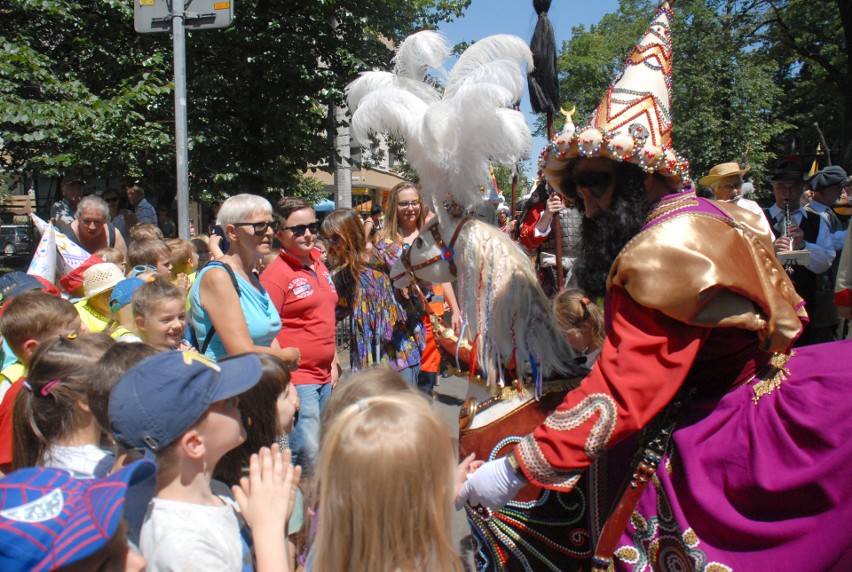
{"points": [[212, 329]]}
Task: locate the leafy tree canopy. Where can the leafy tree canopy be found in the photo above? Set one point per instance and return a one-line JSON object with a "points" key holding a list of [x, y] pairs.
{"points": [[79, 87]]}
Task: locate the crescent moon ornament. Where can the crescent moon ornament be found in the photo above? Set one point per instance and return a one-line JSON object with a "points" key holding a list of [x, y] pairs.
{"points": [[568, 114]]}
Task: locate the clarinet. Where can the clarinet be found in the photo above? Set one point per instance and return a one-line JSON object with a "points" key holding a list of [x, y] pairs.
{"points": [[788, 222]]}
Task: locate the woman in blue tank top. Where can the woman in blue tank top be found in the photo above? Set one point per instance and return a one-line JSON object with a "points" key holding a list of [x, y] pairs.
{"points": [[227, 296]]}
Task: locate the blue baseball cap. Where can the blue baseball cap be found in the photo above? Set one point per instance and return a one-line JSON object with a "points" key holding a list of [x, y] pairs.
{"points": [[50, 519], [122, 293], [164, 395], [14, 283]]}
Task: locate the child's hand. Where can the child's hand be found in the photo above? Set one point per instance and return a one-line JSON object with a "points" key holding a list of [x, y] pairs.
{"points": [[182, 282], [267, 496], [185, 346], [466, 468]]}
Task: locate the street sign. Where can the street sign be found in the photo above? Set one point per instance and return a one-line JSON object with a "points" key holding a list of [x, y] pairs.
{"points": [[156, 15]]}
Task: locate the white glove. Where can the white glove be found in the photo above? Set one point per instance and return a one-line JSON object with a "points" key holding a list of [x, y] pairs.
{"points": [[493, 485]]}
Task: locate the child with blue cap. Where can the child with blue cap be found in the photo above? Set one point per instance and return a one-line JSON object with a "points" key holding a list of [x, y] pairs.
{"points": [[50, 520], [181, 409]]}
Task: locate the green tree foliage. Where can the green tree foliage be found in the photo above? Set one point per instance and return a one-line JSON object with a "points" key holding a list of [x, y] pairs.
{"points": [[810, 43], [78, 86], [504, 182], [724, 89], [749, 75]]}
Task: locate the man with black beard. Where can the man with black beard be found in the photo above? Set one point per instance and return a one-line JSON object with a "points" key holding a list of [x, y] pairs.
{"points": [[732, 450], [605, 231]]}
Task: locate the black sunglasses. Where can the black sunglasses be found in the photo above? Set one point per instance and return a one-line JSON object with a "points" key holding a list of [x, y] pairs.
{"points": [[259, 227], [597, 182], [299, 229]]}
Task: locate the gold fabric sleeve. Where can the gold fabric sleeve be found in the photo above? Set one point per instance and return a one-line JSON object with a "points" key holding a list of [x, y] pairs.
{"points": [[705, 270]]}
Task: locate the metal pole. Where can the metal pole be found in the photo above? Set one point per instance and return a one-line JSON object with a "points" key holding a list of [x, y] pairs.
{"points": [[179, 41]]}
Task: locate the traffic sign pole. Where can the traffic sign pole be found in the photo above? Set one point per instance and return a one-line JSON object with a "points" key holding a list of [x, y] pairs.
{"points": [[179, 46]]}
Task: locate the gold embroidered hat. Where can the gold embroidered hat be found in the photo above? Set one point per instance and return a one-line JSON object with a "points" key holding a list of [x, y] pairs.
{"points": [[633, 122]]}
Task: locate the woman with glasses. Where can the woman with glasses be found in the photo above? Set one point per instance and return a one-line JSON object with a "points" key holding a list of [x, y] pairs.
{"points": [[303, 293], [406, 214], [382, 331], [230, 311]]}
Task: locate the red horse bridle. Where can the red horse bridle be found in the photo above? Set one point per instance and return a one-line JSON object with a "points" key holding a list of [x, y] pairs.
{"points": [[447, 253]]}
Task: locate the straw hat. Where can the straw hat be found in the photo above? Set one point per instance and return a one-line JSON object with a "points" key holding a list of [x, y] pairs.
{"points": [[633, 121], [722, 171], [100, 278]]}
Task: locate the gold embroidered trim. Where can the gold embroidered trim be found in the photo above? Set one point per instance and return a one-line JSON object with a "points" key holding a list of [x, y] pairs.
{"points": [[772, 379], [666, 206]]}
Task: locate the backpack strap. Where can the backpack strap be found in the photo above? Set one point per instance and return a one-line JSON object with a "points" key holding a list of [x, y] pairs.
{"points": [[212, 329]]}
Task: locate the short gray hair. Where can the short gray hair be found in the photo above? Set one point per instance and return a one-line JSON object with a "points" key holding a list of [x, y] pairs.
{"points": [[240, 207], [93, 202]]}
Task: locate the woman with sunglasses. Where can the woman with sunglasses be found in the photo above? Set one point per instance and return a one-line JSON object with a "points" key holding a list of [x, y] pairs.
{"points": [[230, 311], [382, 331], [406, 214], [303, 294]]}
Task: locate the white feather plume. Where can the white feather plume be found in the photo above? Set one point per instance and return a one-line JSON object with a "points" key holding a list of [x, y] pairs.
{"points": [[388, 110], [372, 81], [419, 53], [490, 49], [450, 140]]}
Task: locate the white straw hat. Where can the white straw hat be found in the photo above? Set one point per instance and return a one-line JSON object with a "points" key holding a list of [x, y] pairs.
{"points": [[100, 278]]}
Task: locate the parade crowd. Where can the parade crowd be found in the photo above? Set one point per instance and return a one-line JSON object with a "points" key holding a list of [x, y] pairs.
{"points": [[182, 405]]}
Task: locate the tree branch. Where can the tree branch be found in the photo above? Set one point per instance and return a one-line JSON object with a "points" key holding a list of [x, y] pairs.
{"points": [[804, 51]]}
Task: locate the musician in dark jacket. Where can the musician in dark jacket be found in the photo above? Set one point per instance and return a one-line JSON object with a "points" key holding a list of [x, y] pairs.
{"points": [[803, 231]]}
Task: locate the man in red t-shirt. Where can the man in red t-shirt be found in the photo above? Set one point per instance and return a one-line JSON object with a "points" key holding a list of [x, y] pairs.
{"points": [[303, 292]]}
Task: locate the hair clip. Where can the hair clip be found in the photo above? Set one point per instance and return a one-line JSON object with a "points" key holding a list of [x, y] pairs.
{"points": [[71, 336], [28, 386], [48, 387], [586, 301]]}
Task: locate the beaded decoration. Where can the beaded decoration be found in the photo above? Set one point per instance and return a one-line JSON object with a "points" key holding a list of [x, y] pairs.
{"points": [[633, 121]]}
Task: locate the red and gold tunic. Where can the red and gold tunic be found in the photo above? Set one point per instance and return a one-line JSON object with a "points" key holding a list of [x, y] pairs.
{"points": [[698, 295]]}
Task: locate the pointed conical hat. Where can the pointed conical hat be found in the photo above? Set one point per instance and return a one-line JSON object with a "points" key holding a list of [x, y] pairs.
{"points": [[633, 122]]}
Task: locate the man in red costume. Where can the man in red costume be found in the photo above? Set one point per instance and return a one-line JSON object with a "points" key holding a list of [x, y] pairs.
{"points": [[743, 443]]}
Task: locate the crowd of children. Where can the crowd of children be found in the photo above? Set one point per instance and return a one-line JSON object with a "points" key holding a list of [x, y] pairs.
{"points": [[107, 400], [186, 458]]}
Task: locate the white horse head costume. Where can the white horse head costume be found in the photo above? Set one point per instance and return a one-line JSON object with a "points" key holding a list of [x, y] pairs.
{"points": [[451, 138]]}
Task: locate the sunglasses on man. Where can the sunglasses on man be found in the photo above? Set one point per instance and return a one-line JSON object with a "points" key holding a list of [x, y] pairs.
{"points": [[299, 229], [596, 182]]}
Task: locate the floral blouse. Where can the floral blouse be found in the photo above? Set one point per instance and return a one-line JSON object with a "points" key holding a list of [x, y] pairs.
{"points": [[386, 328]]}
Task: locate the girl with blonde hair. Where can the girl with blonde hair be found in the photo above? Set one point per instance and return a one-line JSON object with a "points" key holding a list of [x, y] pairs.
{"points": [[385, 492], [582, 322]]}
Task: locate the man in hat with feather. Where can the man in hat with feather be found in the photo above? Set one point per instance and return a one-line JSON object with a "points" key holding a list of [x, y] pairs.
{"points": [[732, 449]]}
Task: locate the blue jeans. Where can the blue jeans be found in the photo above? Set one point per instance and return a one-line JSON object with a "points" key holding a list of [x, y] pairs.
{"points": [[410, 374], [305, 438]]}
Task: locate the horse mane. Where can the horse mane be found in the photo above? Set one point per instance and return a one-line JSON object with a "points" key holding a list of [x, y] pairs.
{"points": [[506, 313]]}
